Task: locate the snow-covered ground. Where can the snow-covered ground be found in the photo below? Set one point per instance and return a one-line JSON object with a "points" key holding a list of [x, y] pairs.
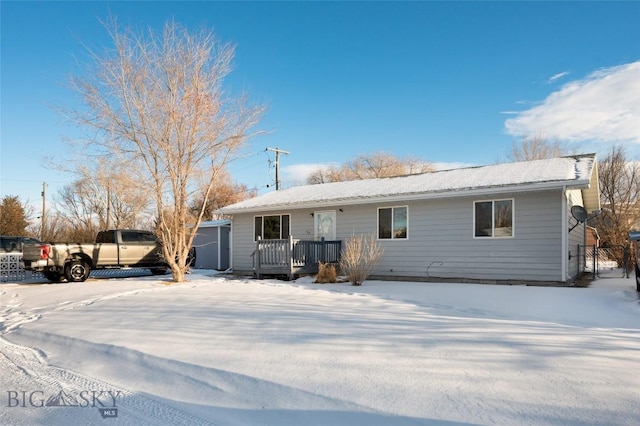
{"points": [[225, 351]]}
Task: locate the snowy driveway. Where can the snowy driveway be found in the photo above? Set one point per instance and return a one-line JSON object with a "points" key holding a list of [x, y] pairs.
{"points": [[242, 352]]}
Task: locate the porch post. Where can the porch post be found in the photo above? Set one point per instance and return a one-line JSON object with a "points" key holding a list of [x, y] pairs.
{"points": [[290, 256]]}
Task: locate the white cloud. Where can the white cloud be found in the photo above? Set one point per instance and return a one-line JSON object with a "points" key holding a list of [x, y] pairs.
{"points": [[603, 107], [557, 76], [297, 174]]}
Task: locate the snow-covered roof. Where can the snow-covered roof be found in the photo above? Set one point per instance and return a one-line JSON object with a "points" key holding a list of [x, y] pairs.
{"points": [[572, 172]]}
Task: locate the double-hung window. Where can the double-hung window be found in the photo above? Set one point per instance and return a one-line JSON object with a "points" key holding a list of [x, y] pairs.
{"points": [[272, 227], [393, 223], [493, 219]]}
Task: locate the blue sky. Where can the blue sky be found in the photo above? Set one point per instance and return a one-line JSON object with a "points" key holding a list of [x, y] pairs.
{"points": [[448, 82]]}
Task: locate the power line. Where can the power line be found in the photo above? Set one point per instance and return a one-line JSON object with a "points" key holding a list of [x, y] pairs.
{"points": [[278, 152]]}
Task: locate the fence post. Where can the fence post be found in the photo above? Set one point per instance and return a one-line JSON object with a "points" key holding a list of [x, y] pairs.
{"points": [[578, 272], [626, 260]]}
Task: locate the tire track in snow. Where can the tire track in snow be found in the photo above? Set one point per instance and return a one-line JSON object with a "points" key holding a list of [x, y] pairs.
{"points": [[32, 372], [12, 317]]}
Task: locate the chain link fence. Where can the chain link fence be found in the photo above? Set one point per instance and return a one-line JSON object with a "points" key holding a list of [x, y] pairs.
{"points": [[604, 262]]}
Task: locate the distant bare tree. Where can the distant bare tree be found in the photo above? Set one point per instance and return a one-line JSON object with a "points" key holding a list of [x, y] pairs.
{"points": [[619, 180], [224, 193], [369, 166], [59, 228], [536, 148], [106, 196], [77, 203], [157, 104]]}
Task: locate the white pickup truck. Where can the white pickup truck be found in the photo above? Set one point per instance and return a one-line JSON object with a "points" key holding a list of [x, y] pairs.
{"points": [[113, 249]]}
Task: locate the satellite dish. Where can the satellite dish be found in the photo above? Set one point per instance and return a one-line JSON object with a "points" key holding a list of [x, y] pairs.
{"points": [[579, 213]]}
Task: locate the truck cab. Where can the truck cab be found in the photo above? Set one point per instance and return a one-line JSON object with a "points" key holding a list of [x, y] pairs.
{"points": [[132, 247]]}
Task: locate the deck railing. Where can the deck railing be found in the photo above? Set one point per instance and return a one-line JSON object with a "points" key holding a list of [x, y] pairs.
{"points": [[290, 257]]}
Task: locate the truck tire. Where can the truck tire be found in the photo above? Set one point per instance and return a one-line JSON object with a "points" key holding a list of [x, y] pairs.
{"points": [[76, 271], [54, 277], [158, 271]]}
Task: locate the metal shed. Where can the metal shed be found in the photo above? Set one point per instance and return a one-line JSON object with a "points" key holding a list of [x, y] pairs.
{"points": [[212, 244]]}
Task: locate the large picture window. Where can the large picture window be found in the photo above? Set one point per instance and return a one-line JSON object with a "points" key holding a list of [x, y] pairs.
{"points": [[493, 219], [274, 227], [392, 223]]}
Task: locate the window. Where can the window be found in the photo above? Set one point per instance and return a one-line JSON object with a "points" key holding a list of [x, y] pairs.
{"points": [[392, 223], [135, 237], [275, 227], [493, 219]]}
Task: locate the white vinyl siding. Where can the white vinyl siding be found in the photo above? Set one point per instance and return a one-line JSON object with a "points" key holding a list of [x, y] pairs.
{"points": [[441, 240], [577, 235]]}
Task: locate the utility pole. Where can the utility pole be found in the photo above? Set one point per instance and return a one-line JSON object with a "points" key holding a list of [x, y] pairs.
{"points": [[278, 152], [108, 204], [43, 221]]}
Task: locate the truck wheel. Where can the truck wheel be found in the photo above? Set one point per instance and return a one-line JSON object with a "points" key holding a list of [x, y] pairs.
{"points": [[55, 277], [158, 271], [76, 271]]}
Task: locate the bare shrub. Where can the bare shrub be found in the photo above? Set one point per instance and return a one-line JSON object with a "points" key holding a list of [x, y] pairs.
{"points": [[326, 273], [359, 257]]}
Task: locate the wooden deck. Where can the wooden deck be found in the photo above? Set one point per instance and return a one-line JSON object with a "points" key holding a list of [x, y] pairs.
{"points": [[293, 257]]}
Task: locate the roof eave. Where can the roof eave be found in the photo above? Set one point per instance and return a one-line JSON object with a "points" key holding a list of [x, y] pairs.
{"points": [[493, 190]]}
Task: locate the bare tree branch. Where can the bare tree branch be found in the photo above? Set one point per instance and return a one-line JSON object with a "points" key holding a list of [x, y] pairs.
{"points": [[619, 181]]}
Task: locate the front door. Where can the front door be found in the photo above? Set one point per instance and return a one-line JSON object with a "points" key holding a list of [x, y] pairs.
{"points": [[325, 225]]}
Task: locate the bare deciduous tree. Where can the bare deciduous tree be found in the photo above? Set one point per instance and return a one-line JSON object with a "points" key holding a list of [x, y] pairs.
{"points": [[157, 103], [105, 196], [369, 166], [77, 208], [619, 181], [58, 228], [536, 148], [224, 193]]}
